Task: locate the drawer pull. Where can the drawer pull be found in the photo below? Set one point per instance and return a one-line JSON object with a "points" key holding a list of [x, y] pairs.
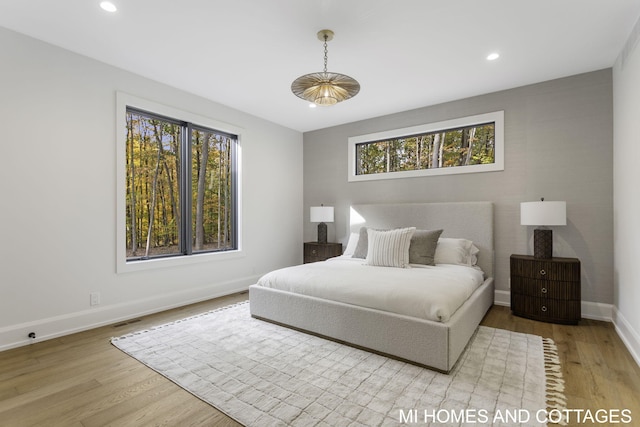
{"points": [[314, 252], [544, 290], [544, 308], [543, 273]]}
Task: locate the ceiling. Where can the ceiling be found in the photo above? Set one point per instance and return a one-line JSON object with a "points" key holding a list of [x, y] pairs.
{"points": [[405, 53]]}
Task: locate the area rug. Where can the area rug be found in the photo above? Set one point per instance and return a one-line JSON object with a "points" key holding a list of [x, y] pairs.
{"points": [[261, 374]]}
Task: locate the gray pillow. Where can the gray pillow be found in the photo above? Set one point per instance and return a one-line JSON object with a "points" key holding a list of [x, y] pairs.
{"points": [[363, 244], [423, 246]]}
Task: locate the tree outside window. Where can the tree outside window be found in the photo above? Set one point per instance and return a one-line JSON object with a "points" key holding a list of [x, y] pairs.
{"points": [[181, 188], [471, 145]]}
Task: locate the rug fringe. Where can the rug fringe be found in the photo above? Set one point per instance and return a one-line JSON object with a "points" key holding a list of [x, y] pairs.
{"points": [[195, 316], [555, 397]]}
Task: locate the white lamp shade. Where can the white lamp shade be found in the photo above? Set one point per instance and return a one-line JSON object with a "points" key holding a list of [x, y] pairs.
{"points": [[543, 213], [321, 213]]}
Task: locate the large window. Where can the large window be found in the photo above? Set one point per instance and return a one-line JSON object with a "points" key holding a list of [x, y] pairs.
{"points": [[181, 187], [470, 144]]}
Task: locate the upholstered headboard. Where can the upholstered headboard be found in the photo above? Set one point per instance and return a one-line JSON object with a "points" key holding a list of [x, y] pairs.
{"points": [[469, 220]]}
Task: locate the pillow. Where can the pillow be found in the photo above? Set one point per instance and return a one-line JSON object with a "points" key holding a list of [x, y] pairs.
{"points": [[423, 246], [389, 248], [473, 257], [421, 254], [455, 251], [351, 244], [361, 248]]}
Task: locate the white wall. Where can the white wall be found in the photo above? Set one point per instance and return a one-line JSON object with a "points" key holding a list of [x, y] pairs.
{"points": [[626, 105], [58, 187]]}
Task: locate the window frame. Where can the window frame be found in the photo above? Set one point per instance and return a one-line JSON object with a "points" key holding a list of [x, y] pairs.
{"points": [[151, 108], [496, 117]]}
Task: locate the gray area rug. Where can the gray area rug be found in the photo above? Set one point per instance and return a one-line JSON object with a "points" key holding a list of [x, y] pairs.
{"points": [[262, 374]]}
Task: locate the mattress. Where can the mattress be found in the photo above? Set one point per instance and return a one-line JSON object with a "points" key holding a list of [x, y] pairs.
{"points": [[426, 292]]}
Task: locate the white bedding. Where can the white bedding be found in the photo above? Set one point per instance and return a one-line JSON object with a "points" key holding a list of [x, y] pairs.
{"points": [[426, 292]]}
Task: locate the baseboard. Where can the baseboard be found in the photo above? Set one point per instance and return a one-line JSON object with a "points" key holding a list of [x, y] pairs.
{"points": [[590, 310], [16, 335], [629, 336], [502, 298], [597, 311], [53, 327]]}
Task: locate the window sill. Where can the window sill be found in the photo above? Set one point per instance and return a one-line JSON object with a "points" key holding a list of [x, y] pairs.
{"points": [[158, 263]]}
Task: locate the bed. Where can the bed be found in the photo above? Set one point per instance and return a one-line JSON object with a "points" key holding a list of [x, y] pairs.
{"points": [[434, 343]]}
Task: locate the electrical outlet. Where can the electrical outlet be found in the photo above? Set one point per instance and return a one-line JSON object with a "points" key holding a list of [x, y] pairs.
{"points": [[95, 298]]}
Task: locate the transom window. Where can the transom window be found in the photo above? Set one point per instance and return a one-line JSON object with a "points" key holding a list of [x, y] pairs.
{"points": [[470, 144]]}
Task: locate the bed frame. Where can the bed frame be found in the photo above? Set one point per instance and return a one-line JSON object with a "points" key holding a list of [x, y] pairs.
{"points": [[435, 345]]}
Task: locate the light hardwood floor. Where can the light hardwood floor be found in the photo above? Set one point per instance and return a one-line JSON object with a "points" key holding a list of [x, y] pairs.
{"points": [[82, 380]]}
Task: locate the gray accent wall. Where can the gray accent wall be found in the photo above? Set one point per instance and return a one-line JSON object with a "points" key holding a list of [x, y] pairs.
{"points": [[558, 145]]}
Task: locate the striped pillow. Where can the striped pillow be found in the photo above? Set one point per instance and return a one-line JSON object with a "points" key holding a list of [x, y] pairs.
{"points": [[389, 248]]}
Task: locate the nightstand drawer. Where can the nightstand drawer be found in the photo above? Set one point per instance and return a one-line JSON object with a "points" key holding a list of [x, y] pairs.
{"points": [[546, 309], [559, 269], [314, 252], [545, 288]]}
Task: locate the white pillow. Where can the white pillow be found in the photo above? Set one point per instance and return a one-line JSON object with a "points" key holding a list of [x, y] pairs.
{"points": [[456, 251], [389, 248], [473, 255], [351, 244]]}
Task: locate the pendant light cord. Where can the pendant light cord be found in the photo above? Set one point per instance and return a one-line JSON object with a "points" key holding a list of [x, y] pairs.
{"points": [[325, 53]]}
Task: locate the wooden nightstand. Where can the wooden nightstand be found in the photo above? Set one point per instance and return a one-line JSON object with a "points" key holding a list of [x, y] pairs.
{"points": [[546, 289], [314, 251]]}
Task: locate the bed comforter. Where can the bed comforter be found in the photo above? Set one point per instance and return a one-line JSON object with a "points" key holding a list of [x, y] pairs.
{"points": [[426, 292]]}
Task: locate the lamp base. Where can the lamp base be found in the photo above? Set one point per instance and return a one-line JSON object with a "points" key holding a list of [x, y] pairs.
{"points": [[322, 233], [542, 243]]}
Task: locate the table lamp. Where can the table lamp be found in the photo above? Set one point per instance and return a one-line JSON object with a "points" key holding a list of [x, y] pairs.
{"points": [[543, 214], [322, 214]]}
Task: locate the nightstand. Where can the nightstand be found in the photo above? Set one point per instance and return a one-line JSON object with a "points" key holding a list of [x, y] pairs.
{"points": [[546, 289], [314, 251]]}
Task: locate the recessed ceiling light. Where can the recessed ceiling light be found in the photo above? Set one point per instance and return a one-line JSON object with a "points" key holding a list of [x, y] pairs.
{"points": [[108, 6], [493, 56]]}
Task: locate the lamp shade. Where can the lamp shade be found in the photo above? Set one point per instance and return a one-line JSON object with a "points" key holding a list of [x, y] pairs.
{"points": [[321, 213], [543, 213]]}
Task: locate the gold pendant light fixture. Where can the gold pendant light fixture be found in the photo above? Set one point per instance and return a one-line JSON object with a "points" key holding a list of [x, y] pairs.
{"points": [[325, 88]]}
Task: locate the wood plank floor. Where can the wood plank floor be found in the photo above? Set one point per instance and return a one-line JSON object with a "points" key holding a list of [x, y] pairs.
{"points": [[82, 380]]}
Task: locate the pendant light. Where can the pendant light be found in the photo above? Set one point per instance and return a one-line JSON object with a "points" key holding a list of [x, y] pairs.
{"points": [[325, 88]]}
